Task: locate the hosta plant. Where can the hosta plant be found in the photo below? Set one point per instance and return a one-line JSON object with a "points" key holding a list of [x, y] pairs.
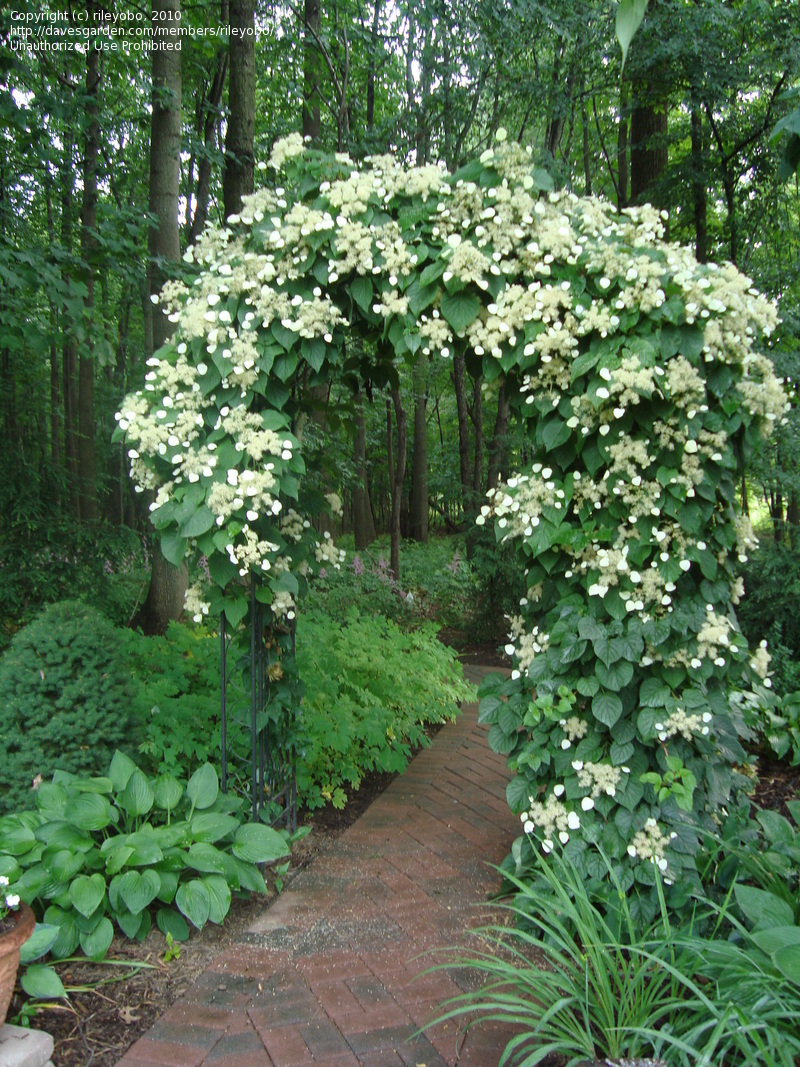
{"points": [[106, 852]]}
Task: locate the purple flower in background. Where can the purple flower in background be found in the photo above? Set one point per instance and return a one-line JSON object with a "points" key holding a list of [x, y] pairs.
{"points": [[454, 563], [358, 566]]}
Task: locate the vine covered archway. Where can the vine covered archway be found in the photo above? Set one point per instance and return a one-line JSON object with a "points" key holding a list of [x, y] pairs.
{"points": [[637, 373]]}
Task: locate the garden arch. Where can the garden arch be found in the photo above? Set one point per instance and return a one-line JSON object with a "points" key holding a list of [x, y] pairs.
{"points": [[637, 374]]}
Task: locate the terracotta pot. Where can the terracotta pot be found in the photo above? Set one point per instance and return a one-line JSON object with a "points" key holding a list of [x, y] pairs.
{"points": [[10, 944]]}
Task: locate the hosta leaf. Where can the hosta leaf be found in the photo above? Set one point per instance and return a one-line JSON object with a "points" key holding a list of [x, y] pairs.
{"points": [[171, 922], [255, 843], [204, 857], [787, 960], [122, 767], [64, 864], [39, 943], [138, 889], [42, 983], [219, 897], [96, 943], [67, 940], [761, 908], [86, 893], [89, 811], [137, 796], [192, 899], [203, 787], [248, 876]]}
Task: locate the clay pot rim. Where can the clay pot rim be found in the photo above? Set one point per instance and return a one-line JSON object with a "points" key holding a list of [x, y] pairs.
{"points": [[21, 931]]}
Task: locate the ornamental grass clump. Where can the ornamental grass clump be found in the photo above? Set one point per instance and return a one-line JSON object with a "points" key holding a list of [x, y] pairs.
{"points": [[638, 377], [575, 985]]}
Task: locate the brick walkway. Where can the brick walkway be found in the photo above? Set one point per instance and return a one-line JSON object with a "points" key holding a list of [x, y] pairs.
{"points": [[328, 974]]}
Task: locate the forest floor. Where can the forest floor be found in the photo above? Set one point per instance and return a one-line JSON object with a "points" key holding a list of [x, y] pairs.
{"points": [[109, 1008]]}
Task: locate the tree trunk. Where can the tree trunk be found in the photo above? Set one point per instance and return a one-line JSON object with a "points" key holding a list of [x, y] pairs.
{"points": [[373, 47], [648, 152], [793, 518], [460, 384], [399, 474], [165, 163], [699, 194], [497, 450], [419, 463], [476, 414], [210, 127], [587, 158], [622, 149], [363, 521], [239, 176], [86, 458], [167, 583], [312, 123]]}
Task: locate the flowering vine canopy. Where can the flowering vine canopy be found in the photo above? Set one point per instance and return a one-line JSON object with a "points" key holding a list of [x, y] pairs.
{"points": [[637, 373]]}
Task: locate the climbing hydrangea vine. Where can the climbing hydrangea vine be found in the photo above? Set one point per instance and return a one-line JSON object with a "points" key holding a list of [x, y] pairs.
{"points": [[638, 375]]}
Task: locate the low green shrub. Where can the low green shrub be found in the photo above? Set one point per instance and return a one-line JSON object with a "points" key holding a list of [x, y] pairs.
{"points": [[363, 582], [66, 699], [177, 696], [104, 851], [370, 691]]}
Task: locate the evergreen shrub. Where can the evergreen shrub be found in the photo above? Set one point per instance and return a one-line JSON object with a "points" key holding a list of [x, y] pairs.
{"points": [[65, 700]]}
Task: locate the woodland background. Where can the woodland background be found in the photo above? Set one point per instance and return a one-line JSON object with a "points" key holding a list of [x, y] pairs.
{"points": [[114, 161]]}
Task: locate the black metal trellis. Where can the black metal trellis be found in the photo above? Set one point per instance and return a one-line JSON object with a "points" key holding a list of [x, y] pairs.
{"points": [[257, 729]]}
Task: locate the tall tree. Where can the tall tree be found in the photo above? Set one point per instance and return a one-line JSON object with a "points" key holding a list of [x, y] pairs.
{"points": [[239, 175], [167, 582], [91, 154]]}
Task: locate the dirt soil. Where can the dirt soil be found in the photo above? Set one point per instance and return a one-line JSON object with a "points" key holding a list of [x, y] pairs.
{"points": [[101, 1022]]}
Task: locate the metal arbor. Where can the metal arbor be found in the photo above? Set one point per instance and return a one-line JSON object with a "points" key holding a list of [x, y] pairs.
{"points": [[258, 755]]}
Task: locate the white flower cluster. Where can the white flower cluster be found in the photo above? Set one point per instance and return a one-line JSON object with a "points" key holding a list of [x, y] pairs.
{"points": [[598, 778], [252, 553], [326, 552], [574, 728], [686, 726], [552, 818], [650, 844], [760, 663], [334, 503], [194, 604]]}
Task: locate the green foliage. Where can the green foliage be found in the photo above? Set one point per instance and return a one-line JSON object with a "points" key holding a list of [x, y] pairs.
{"points": [[768, 610], [371, 690], [441, 580], [177, 697], [499, 586], [66, 699], [43, 561], [579, 987], [100, 852], [364, 582]]}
